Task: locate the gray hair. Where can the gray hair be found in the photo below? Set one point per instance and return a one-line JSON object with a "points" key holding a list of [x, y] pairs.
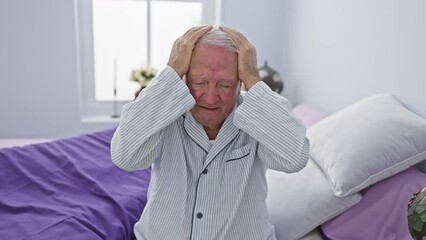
{"points": [[217, 37]]}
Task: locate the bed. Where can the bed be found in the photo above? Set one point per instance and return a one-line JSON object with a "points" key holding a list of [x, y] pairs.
{"points": [[70, 189]]}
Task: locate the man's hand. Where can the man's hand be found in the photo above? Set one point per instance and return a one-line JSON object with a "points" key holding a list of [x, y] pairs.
{"points": [[181, 54], [247, 61]]}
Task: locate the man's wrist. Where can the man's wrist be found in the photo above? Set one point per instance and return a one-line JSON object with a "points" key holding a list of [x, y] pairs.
{"points": [[250, 82]]}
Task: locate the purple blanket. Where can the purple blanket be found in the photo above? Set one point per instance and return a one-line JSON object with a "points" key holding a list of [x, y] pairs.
{"points": [[69, 189]]}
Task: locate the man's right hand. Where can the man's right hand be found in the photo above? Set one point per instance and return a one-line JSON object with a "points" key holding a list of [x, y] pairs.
{"points": [[181, 54]]}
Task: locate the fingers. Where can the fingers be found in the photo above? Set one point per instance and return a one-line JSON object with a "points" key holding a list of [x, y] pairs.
{"points": [[193, 30], [188, 40], [243, 45], [197, 34], [238, 38], [182, 48], [193, 34], [247, 62]]}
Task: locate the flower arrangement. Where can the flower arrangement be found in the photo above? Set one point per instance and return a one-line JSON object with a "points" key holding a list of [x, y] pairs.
{"points": [[143, 75]]}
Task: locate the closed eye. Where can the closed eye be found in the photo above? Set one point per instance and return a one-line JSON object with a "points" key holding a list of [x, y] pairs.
{"points": [[225, 85], [198, 85]]}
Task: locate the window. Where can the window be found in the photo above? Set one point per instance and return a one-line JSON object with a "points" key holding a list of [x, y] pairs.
{"points": [[116, 36]]}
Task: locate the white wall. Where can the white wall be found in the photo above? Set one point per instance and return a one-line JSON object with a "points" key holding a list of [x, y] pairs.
{"points": [[38, 87], [329, 52], [336, 52]]}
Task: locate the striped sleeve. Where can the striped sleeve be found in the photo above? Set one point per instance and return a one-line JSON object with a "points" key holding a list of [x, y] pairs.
{"points": [[268, 118], [137, 142]]}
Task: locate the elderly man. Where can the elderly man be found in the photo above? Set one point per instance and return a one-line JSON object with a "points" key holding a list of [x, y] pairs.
{"points": [[208, 146]]}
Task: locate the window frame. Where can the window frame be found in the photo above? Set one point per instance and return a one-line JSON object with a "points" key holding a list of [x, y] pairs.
{"points": [[92, 110]]}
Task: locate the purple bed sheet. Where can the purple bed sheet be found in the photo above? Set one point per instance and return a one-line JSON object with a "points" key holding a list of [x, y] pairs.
{"points": [[69, 189]]}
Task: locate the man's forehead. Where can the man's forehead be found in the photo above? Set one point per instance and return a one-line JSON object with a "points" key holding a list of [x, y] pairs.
{"points": [[207, 77], [213, 47]]}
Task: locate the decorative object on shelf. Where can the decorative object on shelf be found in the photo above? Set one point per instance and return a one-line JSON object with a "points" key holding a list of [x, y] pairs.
{"points": [[143, 76], [271, 77], [417, 215], [115, 114]]}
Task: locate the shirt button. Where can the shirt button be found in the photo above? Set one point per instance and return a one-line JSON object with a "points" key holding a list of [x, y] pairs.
{"points": [[205, 171], [199, 215]]}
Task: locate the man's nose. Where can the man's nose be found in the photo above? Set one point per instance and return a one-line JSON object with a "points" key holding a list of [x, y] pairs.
{"points": [[211, 95]]}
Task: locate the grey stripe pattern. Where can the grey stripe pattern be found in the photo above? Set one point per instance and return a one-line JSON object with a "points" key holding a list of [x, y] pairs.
{"points": [[201, 190]]}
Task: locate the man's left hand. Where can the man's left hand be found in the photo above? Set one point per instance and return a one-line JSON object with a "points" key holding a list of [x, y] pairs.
{"points": [[247, 61]]}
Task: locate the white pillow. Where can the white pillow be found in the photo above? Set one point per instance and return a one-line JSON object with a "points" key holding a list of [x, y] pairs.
{"points": [[299, 202], [366, 142]]}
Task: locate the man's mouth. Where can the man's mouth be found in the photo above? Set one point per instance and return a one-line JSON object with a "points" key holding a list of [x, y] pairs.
{"points": [[209, 108]]}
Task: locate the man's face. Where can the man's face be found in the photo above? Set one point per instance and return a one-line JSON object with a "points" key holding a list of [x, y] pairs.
{"points": [[212, 79]]}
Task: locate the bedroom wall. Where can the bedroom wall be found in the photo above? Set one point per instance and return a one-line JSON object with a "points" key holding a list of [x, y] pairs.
{"points": [[330, 53], [39, 91], [38, 87], [336, 52]]}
